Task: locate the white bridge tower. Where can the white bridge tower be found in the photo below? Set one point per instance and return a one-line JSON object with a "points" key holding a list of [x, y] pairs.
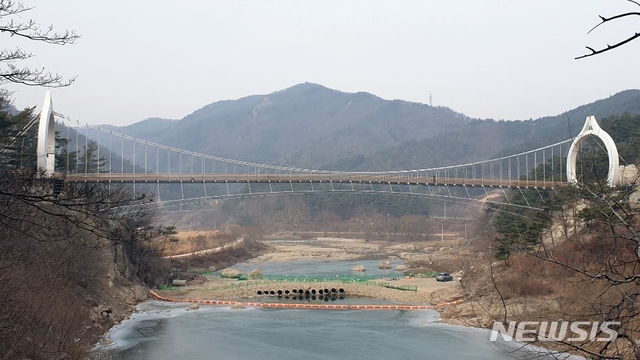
{"points": [[591, 127], [46, 137]]}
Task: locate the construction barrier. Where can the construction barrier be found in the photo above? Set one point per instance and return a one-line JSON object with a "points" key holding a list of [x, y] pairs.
{"points": [[310, 306]]}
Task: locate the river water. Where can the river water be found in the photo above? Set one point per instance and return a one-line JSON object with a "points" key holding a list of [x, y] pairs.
{"points": [[317, 267], [171, 331]]}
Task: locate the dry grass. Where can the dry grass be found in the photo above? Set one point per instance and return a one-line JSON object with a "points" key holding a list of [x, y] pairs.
{"points": [[192, 241], [219, 260]]}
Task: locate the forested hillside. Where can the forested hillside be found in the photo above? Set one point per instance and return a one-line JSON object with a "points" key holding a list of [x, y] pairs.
{"points": [[311, 126], [304, 125], [486, 139]]}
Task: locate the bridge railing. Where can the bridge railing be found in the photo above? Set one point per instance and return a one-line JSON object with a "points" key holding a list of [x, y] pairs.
{"points": [[154, 162]]}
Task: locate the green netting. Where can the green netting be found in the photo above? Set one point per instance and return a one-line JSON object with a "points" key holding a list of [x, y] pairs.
{"points": [[402, 287], [422, 275]]}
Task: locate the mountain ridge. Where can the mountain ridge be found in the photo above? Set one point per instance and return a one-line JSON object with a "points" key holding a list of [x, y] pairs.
{"points": [[305, 124], [309, 125]]}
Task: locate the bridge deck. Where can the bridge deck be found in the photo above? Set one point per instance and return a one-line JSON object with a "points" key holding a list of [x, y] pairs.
{"points": [[394, 179]]}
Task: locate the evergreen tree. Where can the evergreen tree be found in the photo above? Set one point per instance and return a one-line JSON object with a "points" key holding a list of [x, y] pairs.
{"points": [[18, 137], [66, 160], [90, 160]]}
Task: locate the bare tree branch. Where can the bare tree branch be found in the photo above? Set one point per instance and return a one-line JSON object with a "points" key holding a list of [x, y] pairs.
{"points": [[604, 20], [29, 30]]}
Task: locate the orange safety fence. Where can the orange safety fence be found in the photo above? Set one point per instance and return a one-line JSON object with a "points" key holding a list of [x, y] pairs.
{"points": [[309, 306]]}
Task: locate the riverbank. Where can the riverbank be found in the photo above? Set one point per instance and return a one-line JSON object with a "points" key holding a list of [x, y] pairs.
{"points": [[429, 291], [409, 255], [474, 305]]}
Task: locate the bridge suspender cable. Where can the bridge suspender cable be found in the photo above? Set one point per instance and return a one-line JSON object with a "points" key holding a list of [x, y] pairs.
{"points": [[526, 169]]}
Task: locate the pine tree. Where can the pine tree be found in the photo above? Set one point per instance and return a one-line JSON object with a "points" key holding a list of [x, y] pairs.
{"points": [[90, 160], [18, 137], [66, 160]]}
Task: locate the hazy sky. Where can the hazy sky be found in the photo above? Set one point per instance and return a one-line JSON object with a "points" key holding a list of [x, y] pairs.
{"points": [[500, 59]]}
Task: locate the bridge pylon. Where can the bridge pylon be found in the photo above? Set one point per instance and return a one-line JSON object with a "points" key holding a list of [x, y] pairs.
{"points": [[45, 150], [591, 127]]}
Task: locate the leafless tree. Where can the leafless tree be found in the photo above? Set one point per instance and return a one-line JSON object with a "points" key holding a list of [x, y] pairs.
{"points": [[585, 267], [605, 20], [54, 244], [604, 259], [15, 22]]}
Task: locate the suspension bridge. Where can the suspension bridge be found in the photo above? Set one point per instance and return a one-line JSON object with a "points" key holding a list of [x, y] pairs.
{"points": [[147, 162]]}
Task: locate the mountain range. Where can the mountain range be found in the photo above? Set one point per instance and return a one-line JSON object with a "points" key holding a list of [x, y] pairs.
{"points": [[309, 125]]}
